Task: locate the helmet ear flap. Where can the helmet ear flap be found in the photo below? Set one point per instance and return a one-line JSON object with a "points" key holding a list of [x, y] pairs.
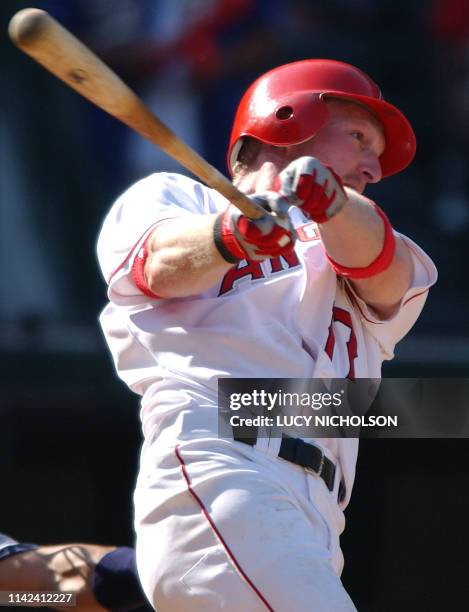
{"points": [[294, 119]]}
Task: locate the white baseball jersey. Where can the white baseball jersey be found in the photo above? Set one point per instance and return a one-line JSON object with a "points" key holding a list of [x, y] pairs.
{"points": [[282, 318]]}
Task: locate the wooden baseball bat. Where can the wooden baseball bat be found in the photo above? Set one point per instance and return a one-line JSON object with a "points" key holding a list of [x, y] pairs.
{"points": [[36, 33]]}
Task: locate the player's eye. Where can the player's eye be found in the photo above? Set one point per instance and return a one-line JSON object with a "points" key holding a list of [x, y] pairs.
{"points": [[358, 135]]}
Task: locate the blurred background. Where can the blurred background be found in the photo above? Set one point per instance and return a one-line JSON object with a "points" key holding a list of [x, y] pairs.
{"points": [[69, 431]]}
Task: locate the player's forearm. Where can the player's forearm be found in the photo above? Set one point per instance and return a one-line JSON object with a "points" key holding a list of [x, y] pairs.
{"points": [[64, 568], [183, 259], [354, 238]]}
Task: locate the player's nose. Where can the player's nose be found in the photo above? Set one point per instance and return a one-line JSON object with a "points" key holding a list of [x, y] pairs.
{"points": [[370, 167]]}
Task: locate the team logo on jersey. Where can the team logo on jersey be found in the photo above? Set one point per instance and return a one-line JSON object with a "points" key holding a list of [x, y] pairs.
{"points": [[255, 271], [308, 232]]}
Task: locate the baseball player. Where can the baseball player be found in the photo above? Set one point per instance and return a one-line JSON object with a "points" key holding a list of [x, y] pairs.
{"points": [[321, 286], [100, 577]]}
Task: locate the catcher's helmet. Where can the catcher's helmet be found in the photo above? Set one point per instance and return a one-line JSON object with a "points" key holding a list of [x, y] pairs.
{"points": [[285, 106]]}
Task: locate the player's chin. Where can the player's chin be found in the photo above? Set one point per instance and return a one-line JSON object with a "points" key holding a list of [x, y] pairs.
{"points": [[355, 185]]}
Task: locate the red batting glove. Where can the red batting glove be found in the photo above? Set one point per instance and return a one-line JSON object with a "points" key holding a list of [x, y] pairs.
{"points": [[238, 237], [315, 188]]}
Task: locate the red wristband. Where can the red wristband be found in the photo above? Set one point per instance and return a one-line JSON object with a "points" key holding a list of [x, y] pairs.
{"points": [[381, 263], [138, 270]]}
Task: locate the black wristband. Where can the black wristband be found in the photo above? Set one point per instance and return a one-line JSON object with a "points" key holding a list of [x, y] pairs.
{"points": [[220, 245]]}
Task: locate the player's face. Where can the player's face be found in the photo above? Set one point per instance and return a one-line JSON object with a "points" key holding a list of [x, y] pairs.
{"points": [[351, 143]]}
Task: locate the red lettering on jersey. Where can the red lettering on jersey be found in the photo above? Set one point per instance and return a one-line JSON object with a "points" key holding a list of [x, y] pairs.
{"points": [[307, 232], [252, 269], [343, 316], [329, 348], [291, 260]]}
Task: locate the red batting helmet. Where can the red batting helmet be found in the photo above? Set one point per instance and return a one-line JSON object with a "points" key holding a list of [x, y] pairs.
{"points": [[285, 106]]}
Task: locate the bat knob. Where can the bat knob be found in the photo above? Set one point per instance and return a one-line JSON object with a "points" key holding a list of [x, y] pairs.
{"points": [[26, 25]]}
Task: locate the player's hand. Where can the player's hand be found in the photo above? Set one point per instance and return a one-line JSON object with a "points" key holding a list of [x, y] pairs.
{"points": [[315, 188], [257, 239]]}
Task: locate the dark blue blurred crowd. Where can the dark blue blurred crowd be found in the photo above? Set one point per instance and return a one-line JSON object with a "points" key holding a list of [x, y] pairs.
{"points": [[190, 60]]}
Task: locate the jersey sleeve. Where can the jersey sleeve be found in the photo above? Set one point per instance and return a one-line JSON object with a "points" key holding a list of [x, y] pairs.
{"points": [[390, 331], [132, 219]]}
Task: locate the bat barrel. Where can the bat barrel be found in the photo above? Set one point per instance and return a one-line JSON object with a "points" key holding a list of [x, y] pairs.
{"points": [[36, 33]]}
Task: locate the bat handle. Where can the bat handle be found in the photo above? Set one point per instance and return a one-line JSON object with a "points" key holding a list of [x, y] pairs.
{"points": [[247, 206]]}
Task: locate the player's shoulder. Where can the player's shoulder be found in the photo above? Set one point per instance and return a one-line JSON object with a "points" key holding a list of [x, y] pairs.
{"points": [[168, 180], [174, 188], [163, 183]]}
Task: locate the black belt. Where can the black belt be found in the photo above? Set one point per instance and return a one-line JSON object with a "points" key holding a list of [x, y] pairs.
{"points": [[302, 453]]}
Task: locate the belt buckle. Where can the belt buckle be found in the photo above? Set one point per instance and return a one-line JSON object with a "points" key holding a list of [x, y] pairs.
{"points": [[321, 465]]}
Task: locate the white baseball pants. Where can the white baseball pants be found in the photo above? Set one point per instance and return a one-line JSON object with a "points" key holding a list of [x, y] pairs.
{"points": [[222, 526]]}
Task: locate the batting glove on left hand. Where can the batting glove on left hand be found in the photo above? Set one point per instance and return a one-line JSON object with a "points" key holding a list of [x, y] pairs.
{"points": [[238, 237], [313, 187]]}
